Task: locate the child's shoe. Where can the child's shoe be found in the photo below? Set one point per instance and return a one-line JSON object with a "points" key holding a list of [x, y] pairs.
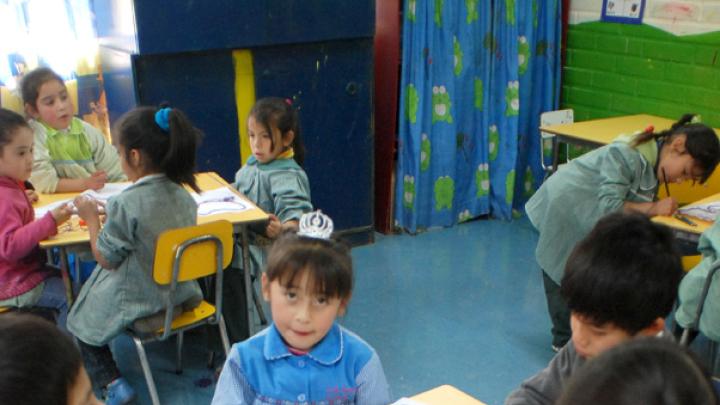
{"points": [[118, 392]]}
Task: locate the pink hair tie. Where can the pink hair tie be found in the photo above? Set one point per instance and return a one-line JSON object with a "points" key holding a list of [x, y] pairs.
{"points": [[288, 101]]}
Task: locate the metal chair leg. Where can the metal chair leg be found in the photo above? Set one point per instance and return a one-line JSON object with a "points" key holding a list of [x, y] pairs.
{"points": [[179, 341], [249, 287], [258, 305], [695, 325], [211, 359], [224, 335], [146, 371], [685, 337]]}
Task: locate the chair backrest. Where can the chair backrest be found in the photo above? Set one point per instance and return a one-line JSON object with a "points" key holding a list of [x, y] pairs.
{"points": [[557, 117], [551, 118], [196, 248]]}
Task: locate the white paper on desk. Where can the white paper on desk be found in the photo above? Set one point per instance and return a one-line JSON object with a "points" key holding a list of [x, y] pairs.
{"points": [[407, 401], [109, 190], [219, 201], [218, 195], [219, 207], [708, 211], [41, 211]]}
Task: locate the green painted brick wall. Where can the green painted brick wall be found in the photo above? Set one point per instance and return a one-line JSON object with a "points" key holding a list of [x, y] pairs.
{"points": [[620, 69]]}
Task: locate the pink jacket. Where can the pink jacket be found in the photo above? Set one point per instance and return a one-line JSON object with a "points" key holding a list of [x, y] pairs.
{"points": [[21, 260]]}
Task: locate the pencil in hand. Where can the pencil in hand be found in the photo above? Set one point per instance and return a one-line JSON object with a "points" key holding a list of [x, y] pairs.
{"points": [[667, 189], [684, 219]]}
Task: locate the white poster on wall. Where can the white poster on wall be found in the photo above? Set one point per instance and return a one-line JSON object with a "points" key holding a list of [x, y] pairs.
{"points": [[623, 11]]}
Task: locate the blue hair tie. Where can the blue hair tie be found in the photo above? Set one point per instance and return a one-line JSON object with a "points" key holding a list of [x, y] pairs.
{"points": [[162, 117]]}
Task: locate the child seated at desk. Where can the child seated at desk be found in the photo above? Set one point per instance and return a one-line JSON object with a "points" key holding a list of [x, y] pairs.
{"points": [[642, 371], [40, 365], [25, 279], [157, 150], [304, 356], [620, 283], [274, 180], [70, 154]]}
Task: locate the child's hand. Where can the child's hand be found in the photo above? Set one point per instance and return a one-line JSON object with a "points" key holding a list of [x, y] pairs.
{"points": [[666, 206], [87, 207], [274, 227], [96, 181], [32, 196], [61, 213]]}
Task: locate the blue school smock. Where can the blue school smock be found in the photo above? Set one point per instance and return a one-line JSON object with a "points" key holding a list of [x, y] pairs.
{"points": [[692, 285], [111, 300], [569, 204], [341, 369]]}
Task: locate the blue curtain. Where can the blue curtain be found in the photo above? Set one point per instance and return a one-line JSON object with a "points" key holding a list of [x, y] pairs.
{"points": [[476, 75]]}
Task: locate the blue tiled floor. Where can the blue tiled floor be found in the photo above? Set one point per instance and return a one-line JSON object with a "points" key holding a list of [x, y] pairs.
{"points": [[461, 306]]}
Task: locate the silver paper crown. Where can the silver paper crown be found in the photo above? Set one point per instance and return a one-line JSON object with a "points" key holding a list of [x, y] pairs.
{"points": [[315, 225]]}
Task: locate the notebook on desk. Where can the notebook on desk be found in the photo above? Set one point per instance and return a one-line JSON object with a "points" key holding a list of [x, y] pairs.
{"points": [[218, 201], [706, 211]]}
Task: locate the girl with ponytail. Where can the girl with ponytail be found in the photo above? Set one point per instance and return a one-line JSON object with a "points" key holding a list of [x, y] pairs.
{"points": [[157, 153]]}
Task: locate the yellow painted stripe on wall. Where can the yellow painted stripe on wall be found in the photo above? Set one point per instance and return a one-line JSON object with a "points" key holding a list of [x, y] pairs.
{"points": [[244, 96]]}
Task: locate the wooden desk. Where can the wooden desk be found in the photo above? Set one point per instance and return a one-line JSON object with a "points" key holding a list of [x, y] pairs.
{"points": [[595, 133], [77, 238], [445, 394]]}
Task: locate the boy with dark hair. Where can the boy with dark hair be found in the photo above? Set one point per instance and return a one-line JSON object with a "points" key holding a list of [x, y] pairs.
{"points": [[620, 282]]}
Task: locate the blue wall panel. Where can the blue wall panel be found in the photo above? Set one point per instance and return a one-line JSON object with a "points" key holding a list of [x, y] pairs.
{"points": [[331, 84], [202, 85], [152, 26]]}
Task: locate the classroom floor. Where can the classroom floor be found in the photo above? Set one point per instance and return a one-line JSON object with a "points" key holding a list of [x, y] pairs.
{"points": [[461, 306]]}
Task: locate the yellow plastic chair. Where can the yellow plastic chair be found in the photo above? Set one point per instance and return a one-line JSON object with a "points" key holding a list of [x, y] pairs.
{"points": [[689, 262], [186, 254]]}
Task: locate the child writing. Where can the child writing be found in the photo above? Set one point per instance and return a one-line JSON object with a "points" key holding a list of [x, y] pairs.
{"points": [[70, 154], [304, 356], [622, 176], [643, 371], [25, 280], [275, 181], [40, 365], [620, 283], [157, 151]]}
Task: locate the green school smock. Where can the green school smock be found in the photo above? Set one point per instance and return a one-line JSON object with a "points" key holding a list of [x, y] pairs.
{"points": [[571, 201], [111, 300], [692, 285], [74, 153]]}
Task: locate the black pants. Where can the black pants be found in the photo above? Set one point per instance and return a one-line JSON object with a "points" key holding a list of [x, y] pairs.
{"points": [[234, 309], [99, 364], [559, 312]]}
